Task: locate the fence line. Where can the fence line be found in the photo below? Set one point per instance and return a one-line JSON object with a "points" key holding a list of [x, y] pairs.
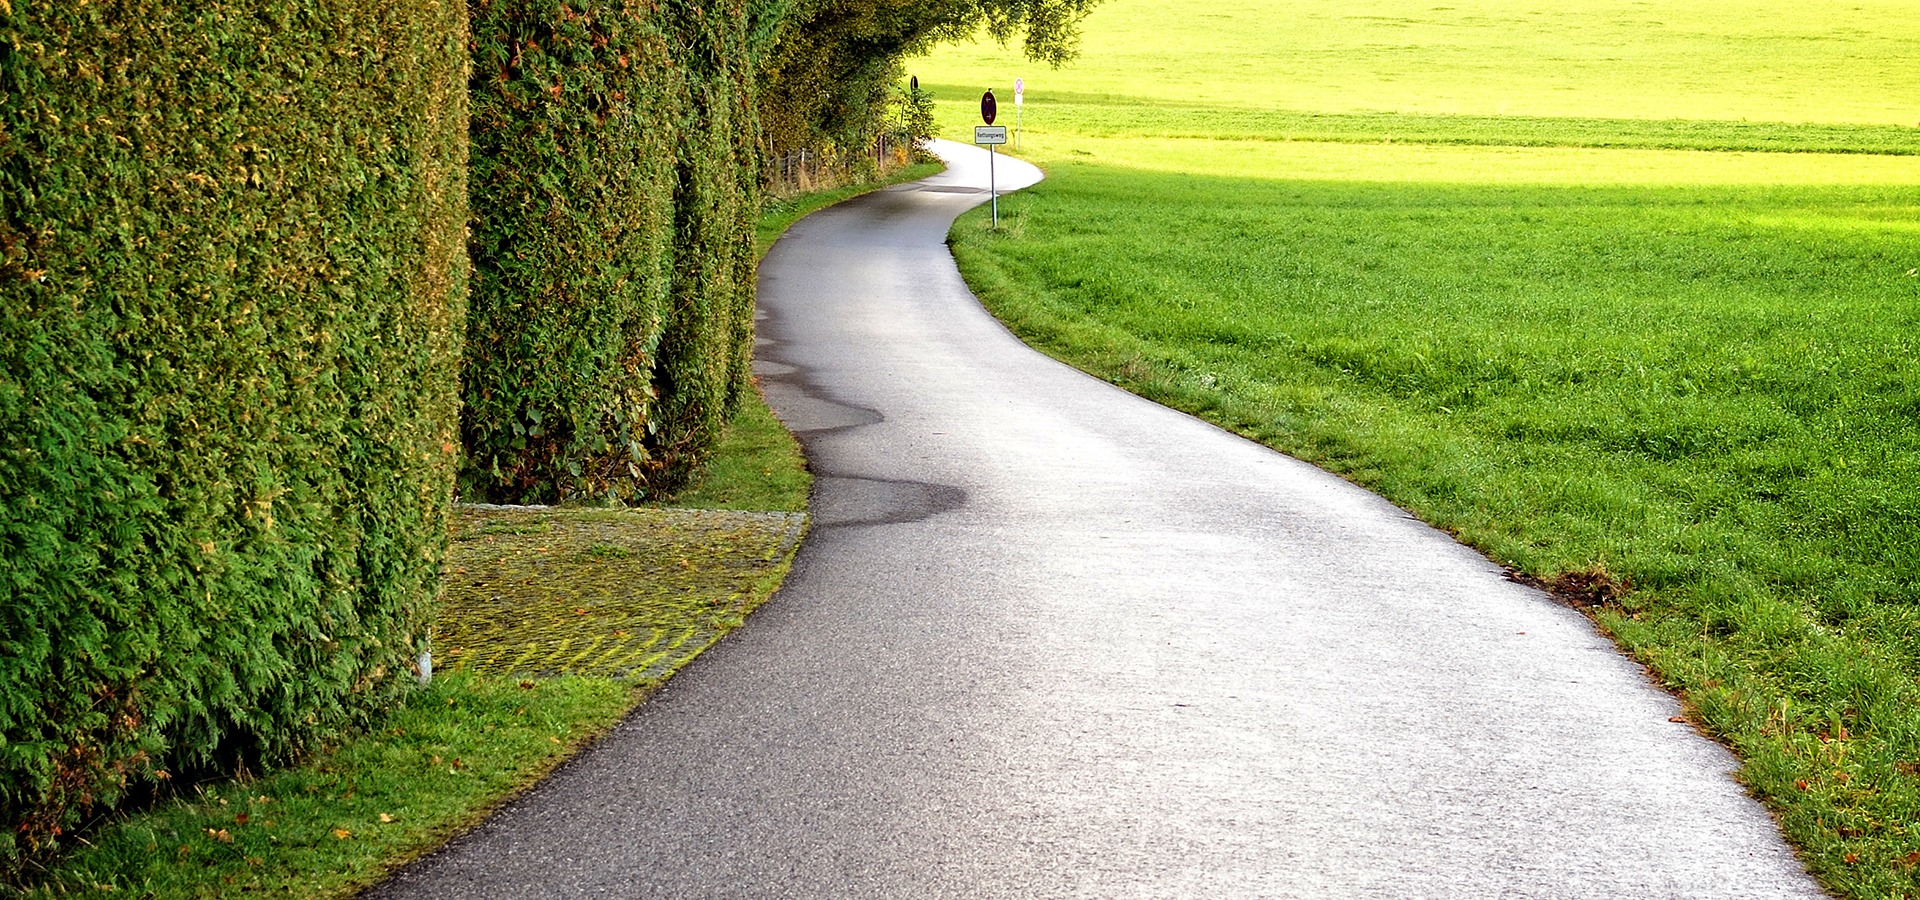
{"points": [[803, 170]]}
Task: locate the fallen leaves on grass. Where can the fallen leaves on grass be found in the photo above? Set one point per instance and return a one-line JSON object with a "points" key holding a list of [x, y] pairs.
{"points": [[1589, 587], [1586, 588]]}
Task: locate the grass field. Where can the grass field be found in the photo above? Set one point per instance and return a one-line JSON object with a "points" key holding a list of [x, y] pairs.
{"points": [[1754, 60], [1617, 292]]}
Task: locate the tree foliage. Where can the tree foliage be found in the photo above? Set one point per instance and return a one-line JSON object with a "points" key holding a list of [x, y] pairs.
{"points": [[829, 78]]}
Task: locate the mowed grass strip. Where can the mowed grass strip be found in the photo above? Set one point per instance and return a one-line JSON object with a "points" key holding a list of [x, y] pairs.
{"points": [[1600, 287], [355, 810], [1708, 393]]}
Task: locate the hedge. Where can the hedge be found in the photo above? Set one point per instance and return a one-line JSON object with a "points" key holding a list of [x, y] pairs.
{"points": [[232, 288], [707, 348], [614, 193]]}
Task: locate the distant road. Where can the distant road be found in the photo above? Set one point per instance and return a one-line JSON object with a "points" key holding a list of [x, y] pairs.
{"points": [[1047, 639]]}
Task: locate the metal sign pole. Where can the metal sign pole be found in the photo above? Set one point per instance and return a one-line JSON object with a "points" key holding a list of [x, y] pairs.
{"points": [[1019, 105], [993, 185], [992, 137]]}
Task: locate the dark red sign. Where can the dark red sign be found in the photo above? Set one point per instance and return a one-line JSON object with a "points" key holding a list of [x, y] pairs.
{"points": [[988, 108]]}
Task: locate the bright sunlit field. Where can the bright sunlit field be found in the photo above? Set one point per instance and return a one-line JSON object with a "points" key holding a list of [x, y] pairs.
{"points": [[1849, 62], [1628, 290]]}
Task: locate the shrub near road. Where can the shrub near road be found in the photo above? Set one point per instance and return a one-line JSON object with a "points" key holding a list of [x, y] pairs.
{"points": [[618, 148], [614, 202], [1683, 379], [232, 276], [342, 818]]}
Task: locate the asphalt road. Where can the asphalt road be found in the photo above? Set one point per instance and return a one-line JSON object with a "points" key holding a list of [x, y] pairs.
{"points": [[1047, 639]]}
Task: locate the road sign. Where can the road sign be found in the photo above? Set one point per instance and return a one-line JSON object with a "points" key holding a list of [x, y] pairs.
{"points": [[1019, 105], [989, 134], [988, 108]]}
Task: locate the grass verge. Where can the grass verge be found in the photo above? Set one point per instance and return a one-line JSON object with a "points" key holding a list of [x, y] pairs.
{"points": [[556, 623], [625, 596], [356, 810], [756, 465]]}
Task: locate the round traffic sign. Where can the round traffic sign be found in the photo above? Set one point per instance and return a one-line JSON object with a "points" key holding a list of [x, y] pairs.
{"points": [[988, 108]]}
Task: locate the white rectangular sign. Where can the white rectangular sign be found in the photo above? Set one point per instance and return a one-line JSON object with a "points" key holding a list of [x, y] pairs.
{"points": [[989, 134]]}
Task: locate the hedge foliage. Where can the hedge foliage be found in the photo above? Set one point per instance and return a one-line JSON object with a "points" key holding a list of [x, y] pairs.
{"points": [[232, 288], [233, 291], [614, 195], [618, 146]]}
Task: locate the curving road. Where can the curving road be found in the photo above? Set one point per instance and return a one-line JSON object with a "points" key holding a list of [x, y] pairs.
{"points": [[1047, 639]]}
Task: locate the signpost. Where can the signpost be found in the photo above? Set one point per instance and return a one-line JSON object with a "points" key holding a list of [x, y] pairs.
{"points": [[1019, 101], [992, 137]]}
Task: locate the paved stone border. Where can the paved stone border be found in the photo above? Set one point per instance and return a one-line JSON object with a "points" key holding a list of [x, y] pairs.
{"points": [[623, 593]]}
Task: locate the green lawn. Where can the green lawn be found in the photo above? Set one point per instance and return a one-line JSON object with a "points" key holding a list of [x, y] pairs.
{"points": [[338, 822], [1600, 296]]}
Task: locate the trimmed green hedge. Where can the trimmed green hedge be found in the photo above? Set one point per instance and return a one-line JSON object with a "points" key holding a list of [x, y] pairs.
{"points": [[614, 195], [232, 287], [706, 354]]}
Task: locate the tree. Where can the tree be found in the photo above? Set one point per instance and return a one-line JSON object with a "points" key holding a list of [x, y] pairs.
{"points": [[828, 80]]}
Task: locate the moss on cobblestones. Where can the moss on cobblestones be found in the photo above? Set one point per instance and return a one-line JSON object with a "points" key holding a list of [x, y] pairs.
{"points": [[623, 593]]}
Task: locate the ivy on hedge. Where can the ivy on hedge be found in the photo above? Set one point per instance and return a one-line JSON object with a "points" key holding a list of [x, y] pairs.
{"points": [[232, 282], [614, 195]]}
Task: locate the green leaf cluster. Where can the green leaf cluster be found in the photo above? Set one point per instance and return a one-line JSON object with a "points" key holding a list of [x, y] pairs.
{"points": [[232, 282], [614, 198], [828, 82]]}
